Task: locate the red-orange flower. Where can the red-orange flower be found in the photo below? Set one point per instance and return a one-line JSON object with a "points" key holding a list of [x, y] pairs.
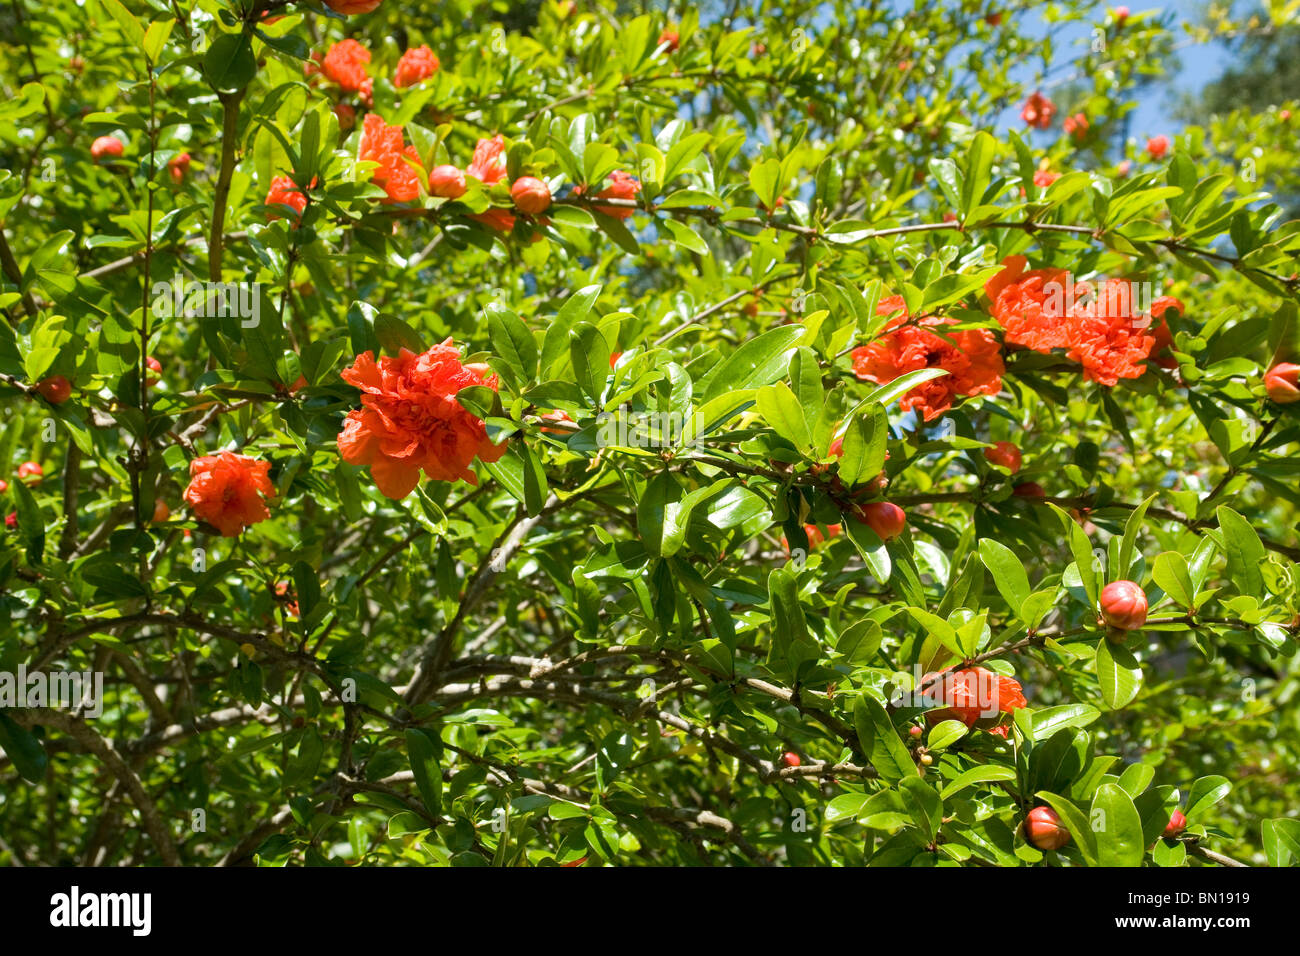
{"points": [[1076, 126], [971, 357], [345, 64], [1038, 111], [385, 145], [1161, 332], [1045, 177], [1105, 338], [1031, 306], [410, 420], [418, 63], [349, 7], [489, 163], [284, 192], [1158, 147], [226, 491], [621, 186], [975, 696]]}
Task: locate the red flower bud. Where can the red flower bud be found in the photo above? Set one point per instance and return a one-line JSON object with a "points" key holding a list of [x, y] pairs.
{"points": [[886, 519], [154, 366], [530, 195], [790, 759], [56, 389], [1124, 605], [30, 469], [106, 147], [1004, 454], [161, 512], [349, 7], [1177, 824], [1282, 382], [178, 166], [1158, 147], [346, 114], [1029, 489], [446, 182], [1044, 830]]}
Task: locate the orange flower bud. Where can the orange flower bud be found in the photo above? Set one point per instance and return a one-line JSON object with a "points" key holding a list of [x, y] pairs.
{"points": [[1124, 605]]}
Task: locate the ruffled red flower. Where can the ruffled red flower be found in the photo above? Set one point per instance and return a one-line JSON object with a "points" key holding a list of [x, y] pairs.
{"points": [[284, 192], [1076, 126], [489, 163], [621, 186], [971, 357], [226, 491], [386, 145], [1031, 306], [1106, 337], [1038, 111], [418, 63], [345, 65], [410, 420], [975, 696], [1045, 177]]}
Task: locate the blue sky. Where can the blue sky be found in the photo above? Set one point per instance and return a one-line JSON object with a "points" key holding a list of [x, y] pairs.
{"points": [[1198, 64]]}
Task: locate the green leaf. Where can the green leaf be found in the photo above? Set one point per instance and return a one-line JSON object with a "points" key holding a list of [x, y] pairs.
{"points": [[512, 342], [589, 351], [686, 237], [1244, 551], [979, 161], [23, 749], [779, 407], [1008, 573], [423, 754], [1051, 719], [880, 741], [1118, 827], [989, 773], [924, 804], [1076, 822], [155, 38], [1132, 528], [1171, 574], [765, 180], [661, 491], [31, 523], [1281, 839], [1206, 792], [555, 343], [1119, 675], [1081, 548], [126, 20], [229, 64], [944, 733], [761, 360], [1136, 778], [864, 448]]}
